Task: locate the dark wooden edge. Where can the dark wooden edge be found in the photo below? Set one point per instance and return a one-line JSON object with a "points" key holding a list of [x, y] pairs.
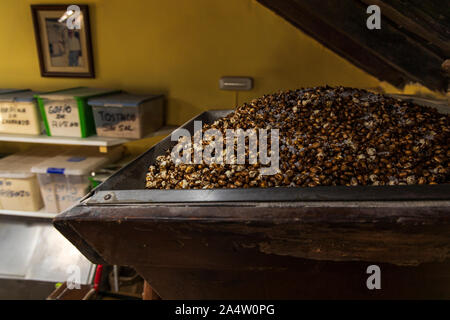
{"points": [[410, 235], [337, 213], [148, 293], [85, 9], [87, 250]]}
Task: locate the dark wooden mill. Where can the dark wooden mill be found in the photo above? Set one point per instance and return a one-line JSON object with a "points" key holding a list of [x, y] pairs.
{"points": [[290, 242]]}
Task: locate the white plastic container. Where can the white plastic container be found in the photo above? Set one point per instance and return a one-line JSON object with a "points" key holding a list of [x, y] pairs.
{"points": [[19, 113], [64, 179], [19, 187], [66, 112]]}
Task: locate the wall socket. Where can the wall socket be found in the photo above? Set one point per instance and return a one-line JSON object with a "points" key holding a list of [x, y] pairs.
{"points": [[236, 83]]}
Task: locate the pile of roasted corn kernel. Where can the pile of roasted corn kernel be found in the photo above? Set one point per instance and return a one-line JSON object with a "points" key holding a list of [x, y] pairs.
{"points": [[328, 136]]}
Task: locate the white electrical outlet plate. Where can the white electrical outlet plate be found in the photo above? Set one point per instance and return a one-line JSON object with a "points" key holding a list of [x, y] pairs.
{"points": [[236, 83]]}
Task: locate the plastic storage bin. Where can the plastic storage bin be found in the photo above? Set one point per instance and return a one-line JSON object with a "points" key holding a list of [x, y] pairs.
{"points": [[64, 179], [19, 187], [126, 115], [19, 113], [66, 112], [2, 155]]}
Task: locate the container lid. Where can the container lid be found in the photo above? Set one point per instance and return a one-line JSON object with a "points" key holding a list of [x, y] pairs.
{"points": [[77, 161], [79, 92], [4, 91], [122, 100], [18, 165], [21, 96]]}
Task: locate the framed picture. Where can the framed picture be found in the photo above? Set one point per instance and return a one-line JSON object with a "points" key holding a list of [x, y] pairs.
{"points": [[63, 40]]}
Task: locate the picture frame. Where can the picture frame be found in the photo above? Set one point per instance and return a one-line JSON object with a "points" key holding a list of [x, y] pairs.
{"points": [[64, 50]]}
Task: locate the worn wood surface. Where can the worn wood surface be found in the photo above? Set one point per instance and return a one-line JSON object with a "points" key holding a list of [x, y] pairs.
{"points": [[148, 293], [212, 249], [301, 279], [402, 235]]}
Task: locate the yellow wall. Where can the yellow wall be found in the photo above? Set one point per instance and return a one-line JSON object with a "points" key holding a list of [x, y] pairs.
{"points": [[180, 48]]}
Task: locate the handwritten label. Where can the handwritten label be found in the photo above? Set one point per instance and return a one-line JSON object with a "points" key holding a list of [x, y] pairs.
{"points": [[19, 117], [63, 118], [14, 193], [14, 188], [20, 194], [116, 122]]}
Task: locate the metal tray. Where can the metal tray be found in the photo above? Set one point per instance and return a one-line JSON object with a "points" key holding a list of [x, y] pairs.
{"points": [[128, 185]]}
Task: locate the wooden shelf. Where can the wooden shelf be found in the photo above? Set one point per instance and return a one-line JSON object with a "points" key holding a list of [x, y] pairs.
{"points": [[32, 214], [89, 141]]}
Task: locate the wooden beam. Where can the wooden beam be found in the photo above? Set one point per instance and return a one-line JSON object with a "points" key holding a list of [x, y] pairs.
{"points": [[390, 54]]}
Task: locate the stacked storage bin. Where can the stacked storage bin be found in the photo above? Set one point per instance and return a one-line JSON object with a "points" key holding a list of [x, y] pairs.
{"points": [[64, 179], [19, 188], [66, 112], [125, 115], [19, 113]]}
